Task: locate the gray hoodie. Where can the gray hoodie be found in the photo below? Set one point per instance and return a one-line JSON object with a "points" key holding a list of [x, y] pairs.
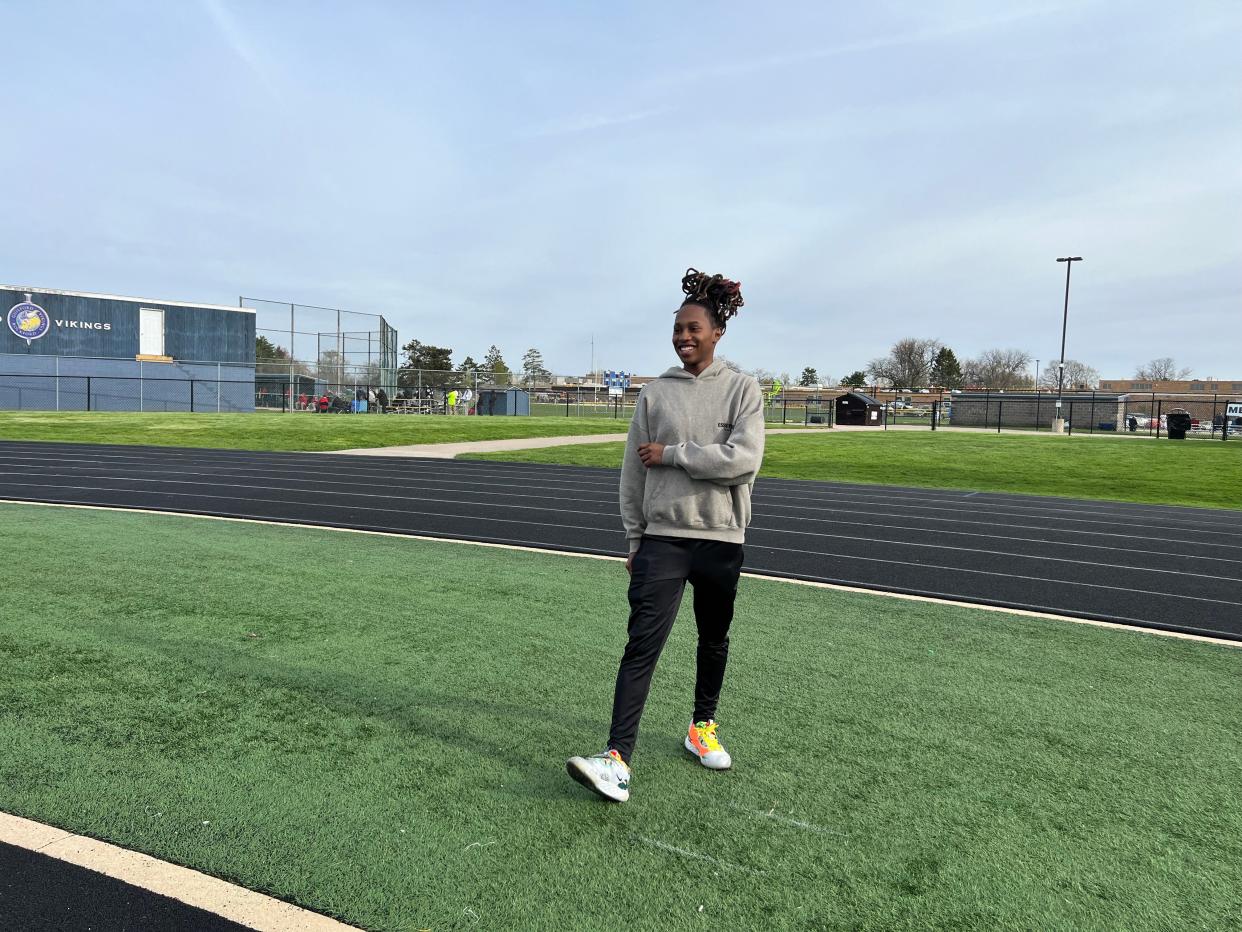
{"points": [[711, 426]]}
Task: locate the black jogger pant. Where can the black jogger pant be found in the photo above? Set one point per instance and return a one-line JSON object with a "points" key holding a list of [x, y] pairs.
{"points": [[662, 567]]}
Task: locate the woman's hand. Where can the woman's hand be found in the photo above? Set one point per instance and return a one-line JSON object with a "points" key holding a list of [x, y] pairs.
{"points": [[629, 564], [652, 454]]}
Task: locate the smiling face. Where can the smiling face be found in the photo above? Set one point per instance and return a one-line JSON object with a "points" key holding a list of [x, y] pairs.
{"points": [[695, 336]]}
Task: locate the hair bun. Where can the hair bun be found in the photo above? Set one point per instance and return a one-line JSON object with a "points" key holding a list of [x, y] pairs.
{"points": [[720, 296]]}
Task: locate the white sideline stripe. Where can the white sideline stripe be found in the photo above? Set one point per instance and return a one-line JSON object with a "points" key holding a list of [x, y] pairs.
{"points": [[836, 587], [246, 907]]}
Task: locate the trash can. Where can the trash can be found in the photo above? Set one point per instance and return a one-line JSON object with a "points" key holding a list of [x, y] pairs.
{"points": [[1178, 423]]}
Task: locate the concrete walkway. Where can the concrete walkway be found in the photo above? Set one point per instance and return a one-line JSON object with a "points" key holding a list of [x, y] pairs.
{"points": [[447, 451]]}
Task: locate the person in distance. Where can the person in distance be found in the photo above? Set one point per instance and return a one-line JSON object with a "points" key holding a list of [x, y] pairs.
{"points": [[694, 448]]}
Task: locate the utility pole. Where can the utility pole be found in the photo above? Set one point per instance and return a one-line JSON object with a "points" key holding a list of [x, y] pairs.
{"points": [[1058, 423], [1036, 375]]}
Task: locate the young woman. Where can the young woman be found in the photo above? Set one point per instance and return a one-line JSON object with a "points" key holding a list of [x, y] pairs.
{"points": [[694, 447]]}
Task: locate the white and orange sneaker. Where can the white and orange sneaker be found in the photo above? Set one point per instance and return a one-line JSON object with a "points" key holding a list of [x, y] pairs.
{"points": [[703, 744], [606, 773]]}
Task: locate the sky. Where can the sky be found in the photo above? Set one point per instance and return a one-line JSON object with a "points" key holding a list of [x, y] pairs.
{"points": [[541, 174]]}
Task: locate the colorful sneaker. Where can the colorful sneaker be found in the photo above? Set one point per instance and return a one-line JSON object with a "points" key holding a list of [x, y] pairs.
{"points": [[605, 773], [703, 744]]}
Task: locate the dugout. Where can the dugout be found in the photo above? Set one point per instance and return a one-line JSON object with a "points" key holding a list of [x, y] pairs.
{"points": [[854, 409], [271, 389], [510, 401]]}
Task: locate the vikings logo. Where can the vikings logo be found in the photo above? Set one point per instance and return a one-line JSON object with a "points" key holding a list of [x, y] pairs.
{"points": [[28, 321]]}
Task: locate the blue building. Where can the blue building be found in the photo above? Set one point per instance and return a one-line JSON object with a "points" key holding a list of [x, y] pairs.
{"points": [[73, 351]]}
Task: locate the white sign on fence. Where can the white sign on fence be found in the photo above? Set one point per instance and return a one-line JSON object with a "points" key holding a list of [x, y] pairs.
{"points": [[1233, 409]]}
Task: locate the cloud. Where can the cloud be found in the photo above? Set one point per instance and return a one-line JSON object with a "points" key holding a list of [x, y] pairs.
{"points": [[240, 44]]}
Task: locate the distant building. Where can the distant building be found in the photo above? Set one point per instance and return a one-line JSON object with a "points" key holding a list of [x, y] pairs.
{"points": [[76, 351], [1173, 386]]}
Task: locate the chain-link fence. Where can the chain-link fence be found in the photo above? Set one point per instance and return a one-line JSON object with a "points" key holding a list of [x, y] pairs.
{"points": [[82, 384]]}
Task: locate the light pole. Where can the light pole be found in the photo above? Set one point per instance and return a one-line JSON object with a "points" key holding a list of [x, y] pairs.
{"points": [[1059, 424], [1036, 375]]}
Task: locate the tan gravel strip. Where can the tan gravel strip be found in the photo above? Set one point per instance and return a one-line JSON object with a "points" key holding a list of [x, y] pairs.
{"points": [[245, 907], [447, 451]]}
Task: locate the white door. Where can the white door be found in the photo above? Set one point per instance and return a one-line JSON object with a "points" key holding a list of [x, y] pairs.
{"points": [[150, 332]]}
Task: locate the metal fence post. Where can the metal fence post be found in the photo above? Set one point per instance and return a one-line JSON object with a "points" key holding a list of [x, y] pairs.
{"points": [[191, 396], [1159, 408], [88, 393], [219, 386], [1000, 412], [1091, 416]]}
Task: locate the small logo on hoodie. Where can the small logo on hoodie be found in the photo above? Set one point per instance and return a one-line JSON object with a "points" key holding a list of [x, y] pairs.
{"points": [[725, 425]]}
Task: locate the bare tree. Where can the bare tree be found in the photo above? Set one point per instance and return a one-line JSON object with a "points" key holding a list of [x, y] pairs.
{"points": [[999, 368], [907, 365], [1161, 370], [1078, 376]]}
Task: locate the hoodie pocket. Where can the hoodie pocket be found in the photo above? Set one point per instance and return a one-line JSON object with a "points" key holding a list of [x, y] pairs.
{"points": [[670, 497]]}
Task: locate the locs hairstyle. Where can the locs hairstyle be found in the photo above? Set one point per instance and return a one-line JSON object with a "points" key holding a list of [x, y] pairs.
{"points": [[716, 294]]}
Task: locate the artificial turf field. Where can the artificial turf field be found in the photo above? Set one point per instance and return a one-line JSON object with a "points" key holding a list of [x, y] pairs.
{"points": [[376, 728]]}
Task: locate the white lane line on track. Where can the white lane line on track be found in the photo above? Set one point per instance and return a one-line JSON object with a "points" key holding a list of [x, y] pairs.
{"points": [[947, 568], [203, 891], [317, 502], [802, 500], [861, 495], [317, 488], [1060, 581], [1131, 625], [403, 467]]}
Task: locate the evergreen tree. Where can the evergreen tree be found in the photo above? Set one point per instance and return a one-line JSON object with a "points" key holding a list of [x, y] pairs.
{"points": [[494, 367], [266, 349], [809, 378], [855, 379], [425, 365], [946, 372]]}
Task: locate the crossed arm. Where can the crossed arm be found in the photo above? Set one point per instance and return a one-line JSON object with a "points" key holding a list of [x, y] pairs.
{"points": [[734, 462]]}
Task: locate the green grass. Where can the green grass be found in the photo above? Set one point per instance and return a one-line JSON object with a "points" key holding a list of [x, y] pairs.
{"points": [[376, 728], [303, 431], [1166, 472]]}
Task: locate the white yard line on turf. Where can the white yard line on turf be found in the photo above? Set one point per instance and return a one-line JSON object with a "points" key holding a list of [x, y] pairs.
{"points": [[178, 883], [837, 587]]}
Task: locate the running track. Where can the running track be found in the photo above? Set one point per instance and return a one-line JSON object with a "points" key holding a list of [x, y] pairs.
{"points": [[1147, 565]]}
